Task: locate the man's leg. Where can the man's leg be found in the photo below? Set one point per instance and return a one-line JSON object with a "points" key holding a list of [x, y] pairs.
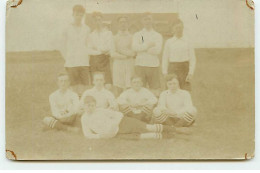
{"points": [[153, 79], [84, 79], [140, 71], [55, 124]]}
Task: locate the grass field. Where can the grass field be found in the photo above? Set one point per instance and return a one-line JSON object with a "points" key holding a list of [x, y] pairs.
{"points": [[223, 92]]}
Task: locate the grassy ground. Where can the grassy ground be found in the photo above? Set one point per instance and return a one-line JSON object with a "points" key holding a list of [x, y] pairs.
{"points": [[223, 92]]}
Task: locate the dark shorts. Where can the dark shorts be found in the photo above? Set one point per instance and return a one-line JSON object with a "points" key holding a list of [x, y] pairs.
{"points": [[79, 75], [181, 69], [131, 125], [101, 63], [149, 75]]}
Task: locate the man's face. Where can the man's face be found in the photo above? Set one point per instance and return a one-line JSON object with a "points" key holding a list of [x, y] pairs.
{"points": [[63, 82], [148, 21], [137, 84], [123, 25], [78, 16], [99, 80], [173, 84], [178, 30], [90, 107], [98, 20]]}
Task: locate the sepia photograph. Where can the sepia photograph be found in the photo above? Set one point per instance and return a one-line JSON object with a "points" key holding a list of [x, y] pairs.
{"points": [[130, 80]]}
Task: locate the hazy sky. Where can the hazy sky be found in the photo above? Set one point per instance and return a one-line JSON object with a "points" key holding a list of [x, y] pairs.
{"points": [[37, 24]]}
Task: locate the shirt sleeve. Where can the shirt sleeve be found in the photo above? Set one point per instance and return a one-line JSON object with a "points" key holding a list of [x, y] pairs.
{"points": [[63, 41], [91, 46], [87, 131], [111, 100], [115, 53], [165, 58], [138, 43], [54, 109], [187, 103], [162, 100], [75, 104], [122, 99], [152, 100], [192, 61], [156, 50]]}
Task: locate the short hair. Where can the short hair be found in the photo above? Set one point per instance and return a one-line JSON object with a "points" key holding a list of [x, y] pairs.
{"points": [[170, 77], [89, 99], [98, 73], [136, 77], [122, 17], [78, 8], [97, 14]]}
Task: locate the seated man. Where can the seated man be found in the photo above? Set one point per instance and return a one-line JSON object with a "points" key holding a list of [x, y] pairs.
{"points": [[175, 105], [105, 123], [64, 105], [105, 98], [137, 102]]}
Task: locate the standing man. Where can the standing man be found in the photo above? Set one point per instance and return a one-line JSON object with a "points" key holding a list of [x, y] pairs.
{"points": [[179, 57], [123, 65], [148, 44], [74, 50], [101, 47]]}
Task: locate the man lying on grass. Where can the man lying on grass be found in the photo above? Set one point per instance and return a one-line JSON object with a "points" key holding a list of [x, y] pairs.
{"points": [[64, 106], [105, 123]]}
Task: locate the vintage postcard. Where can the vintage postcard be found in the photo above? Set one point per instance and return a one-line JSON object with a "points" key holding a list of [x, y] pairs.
{"points": [[130, 80]]}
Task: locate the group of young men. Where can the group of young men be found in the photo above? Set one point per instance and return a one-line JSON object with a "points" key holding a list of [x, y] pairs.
{"points": [[136, 113]]}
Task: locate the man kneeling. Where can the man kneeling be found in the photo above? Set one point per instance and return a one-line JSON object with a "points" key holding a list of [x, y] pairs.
{"points": [[175, 105], [64, 105], [105, 123]]}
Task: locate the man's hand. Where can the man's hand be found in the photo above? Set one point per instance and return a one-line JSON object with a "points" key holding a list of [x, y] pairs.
{"points": [[189, 77]]}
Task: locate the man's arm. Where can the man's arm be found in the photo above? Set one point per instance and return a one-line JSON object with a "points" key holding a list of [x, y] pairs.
{"points": [[63, 44], [112, 101], [54, 109], [165, 58], [91, 47], [139, 45], [157, 48], [192, 61], [88, 133]]}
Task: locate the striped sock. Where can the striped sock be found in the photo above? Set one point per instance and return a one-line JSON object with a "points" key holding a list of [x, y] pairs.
{"points": [[126, 109], [50, 121], [161, 118], [154, 127], [151, 136]]}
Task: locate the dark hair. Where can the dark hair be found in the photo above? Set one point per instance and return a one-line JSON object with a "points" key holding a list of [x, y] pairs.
{"points": [[96, 14], [89, 99], [170, 77], [78, 8]]}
